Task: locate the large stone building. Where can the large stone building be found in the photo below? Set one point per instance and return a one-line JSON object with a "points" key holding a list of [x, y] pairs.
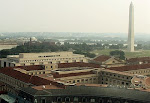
{"points": [[24, 59], [48, 89], [61, 82]]}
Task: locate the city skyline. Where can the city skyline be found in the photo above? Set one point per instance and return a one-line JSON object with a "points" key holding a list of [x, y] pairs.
{"points": [[100, 16]]}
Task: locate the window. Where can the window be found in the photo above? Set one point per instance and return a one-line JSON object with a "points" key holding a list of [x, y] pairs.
{"points": [[67, 99], [81, 60], [58, 61], [41, 63], [127, 83], [73, 81], [75, 99], [101, 100], [92, 100], [84, 99], [43, 100], [66, 61], [59, 99], [9, 64], [35, 100], [73, 60], [110, 101], [22, 64], [31, 63], [113, 61]]}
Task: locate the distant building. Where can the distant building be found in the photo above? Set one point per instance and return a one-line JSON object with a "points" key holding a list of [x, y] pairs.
{"points": [[139, 60], [7, 45], [139, 69], [108, 61], [24, 59], [33, 39]]}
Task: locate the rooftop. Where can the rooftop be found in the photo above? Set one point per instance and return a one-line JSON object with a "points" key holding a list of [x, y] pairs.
{"points": [[130, 67], [31, 67], [56, 75], [117, 72], [92, 85], [77, 64], [43, 87], [138, 59], [102, 58], [147, 81], [34, 80]]}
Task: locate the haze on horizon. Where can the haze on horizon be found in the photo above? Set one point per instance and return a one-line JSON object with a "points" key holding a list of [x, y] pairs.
{"points": [[103, 16]]}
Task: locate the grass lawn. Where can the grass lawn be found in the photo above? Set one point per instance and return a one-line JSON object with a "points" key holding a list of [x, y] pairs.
{"points": [[140, 53]]}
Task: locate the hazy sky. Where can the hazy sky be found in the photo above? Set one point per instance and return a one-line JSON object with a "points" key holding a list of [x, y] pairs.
{"points": [[72, 16]]}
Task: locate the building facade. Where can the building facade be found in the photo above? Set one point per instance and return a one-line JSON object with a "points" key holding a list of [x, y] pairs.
{"points": [[24, 59]]}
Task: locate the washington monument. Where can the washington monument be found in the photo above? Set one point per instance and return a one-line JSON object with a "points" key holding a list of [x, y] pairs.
{"points": [[131, 29]]}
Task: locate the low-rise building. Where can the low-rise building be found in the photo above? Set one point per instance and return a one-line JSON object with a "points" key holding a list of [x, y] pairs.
{"points": [[73, 84], [24, 59], [108, 61], [139, 60], [141, 69], [115, 78]]}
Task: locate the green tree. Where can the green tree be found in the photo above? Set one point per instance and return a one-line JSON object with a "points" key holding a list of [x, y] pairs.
{"points": [[118, 53]]}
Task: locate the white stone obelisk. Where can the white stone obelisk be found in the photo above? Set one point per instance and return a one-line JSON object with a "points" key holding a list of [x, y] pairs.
{"points": [[131, 29]]}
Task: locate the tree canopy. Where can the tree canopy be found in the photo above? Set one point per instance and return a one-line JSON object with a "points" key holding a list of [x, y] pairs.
{"points": [[118, 53]]}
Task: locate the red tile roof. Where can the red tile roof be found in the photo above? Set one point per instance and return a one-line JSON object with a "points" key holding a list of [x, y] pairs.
{"points": [[71, 74], [102, 58], [31, 67], [138, 59], [130, 67], [35, 80], [147, 81], [77, 64]]}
